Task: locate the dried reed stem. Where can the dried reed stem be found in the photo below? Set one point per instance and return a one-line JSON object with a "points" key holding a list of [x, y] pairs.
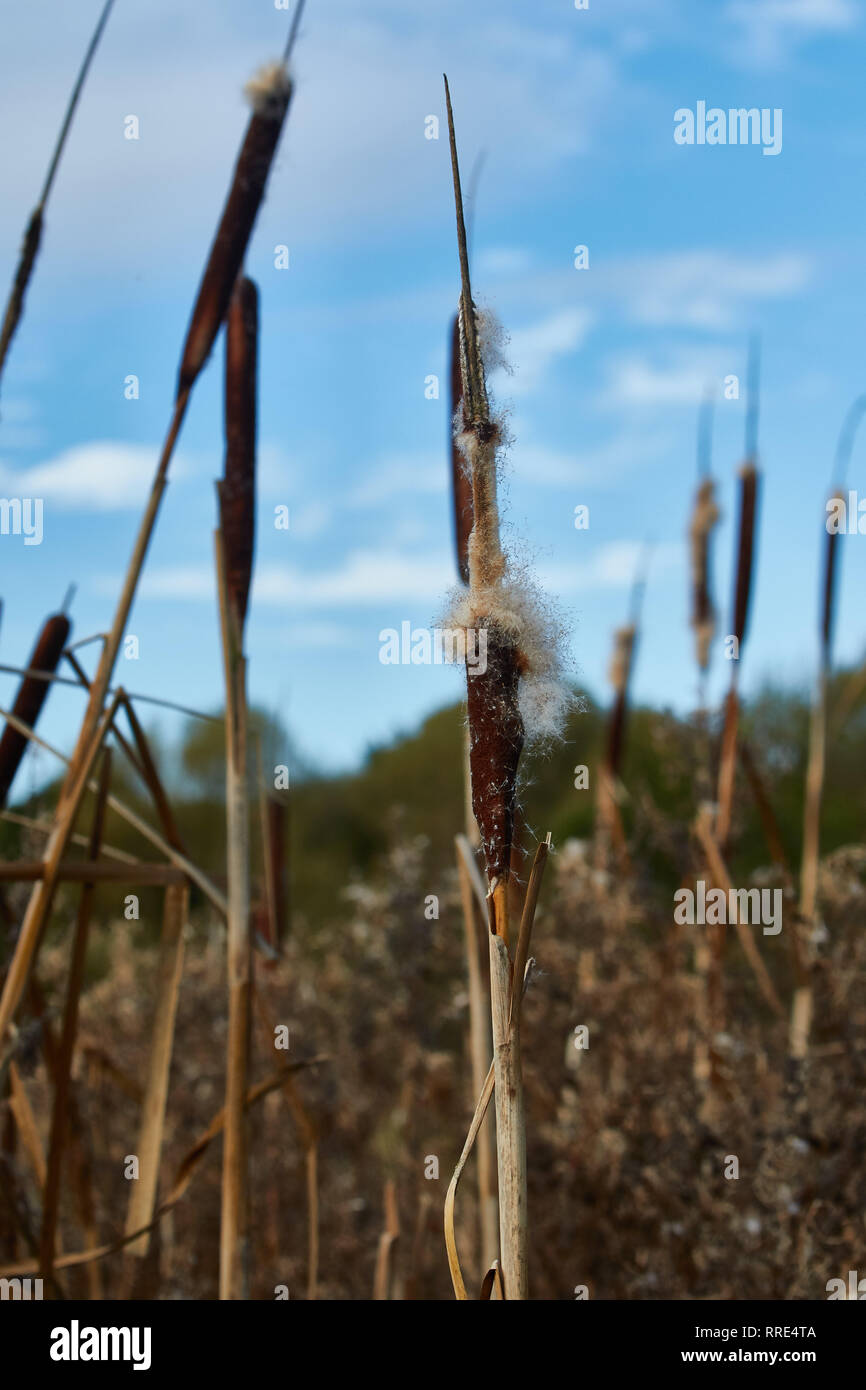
{"points": [[508, 1016], [722, 879], [63, 1068], [183, 1177], [40, 901], [132, 818], [479, 1049], [233, 1223], [802, 1006], [383, 1279], [271, 102], [234, 549], [142, 1198], [818, 737], [496, 735]]}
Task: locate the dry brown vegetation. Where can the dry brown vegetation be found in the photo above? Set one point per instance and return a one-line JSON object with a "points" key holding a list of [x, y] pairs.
{"points": [[298, 1099]]}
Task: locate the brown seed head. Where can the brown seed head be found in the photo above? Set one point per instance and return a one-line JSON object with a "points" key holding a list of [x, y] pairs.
{"points": [[745, 548], [271, 94], [830, 558], [495, 744], [31, 697], [704, 517], [237, 491]]}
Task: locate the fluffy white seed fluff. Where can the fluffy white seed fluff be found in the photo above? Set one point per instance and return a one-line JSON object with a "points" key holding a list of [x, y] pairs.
{"points": [[268, 90], [517, 607], [514, 603]]}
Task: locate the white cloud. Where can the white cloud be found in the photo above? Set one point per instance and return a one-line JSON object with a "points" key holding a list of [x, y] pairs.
{"points": [[682, 380], [353, 154], [365, 577], [100, 476], [614, 565], [598, 466], [769, 29], [707, 288], [317, 634], [531, 351], [500, 261], [309, 519], [402, 473]]}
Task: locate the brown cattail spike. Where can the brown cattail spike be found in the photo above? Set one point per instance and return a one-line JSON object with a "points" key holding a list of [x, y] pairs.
{"points": [[745, 548], [831, 555], [619, 674], [31, 697], [704, 517], [33, 234], [495, 745], [238, 487], [270, 93], [496, 732]]}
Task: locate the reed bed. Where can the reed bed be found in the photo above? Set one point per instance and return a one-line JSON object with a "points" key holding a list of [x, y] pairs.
{"points": [[621, 1162]]}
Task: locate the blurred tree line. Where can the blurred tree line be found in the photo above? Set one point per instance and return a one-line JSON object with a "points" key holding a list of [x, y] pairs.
{"points": [[339, 828]]}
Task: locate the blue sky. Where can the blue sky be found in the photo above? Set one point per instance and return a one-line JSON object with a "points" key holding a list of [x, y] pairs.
{"points": [[690, 249]]}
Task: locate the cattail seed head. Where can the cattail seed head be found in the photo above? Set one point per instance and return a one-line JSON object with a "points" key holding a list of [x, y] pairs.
{"points": [[745, 548], [705, 515], [15, 306], [268, 91], [520, 688], [496, 736], [237, 490], [619, 673], [31, 697], [271, 92], [830, 559]]}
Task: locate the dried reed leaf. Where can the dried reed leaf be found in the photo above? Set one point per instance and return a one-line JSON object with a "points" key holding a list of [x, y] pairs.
{"points": [[492, 1281], [183, 1176], [451, 1194], [142, 1195]]}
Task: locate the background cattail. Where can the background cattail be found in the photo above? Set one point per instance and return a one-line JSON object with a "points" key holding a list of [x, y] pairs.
{"points": [[748, 497], [238, 485], [746, 531], [705, 515], [619, 673], [31, 696], [829, 593], [33, 234], [745, 550]]}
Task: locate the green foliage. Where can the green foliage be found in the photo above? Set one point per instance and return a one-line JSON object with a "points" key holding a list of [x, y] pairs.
{"points": [[340, 828]]}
